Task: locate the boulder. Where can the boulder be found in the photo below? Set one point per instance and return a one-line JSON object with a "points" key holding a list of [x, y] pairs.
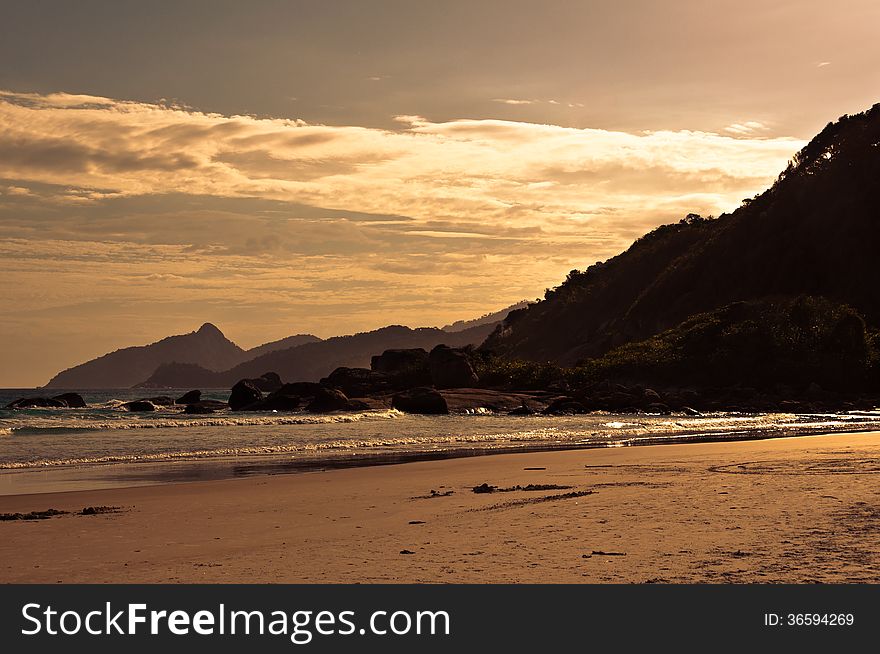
{"points": [[243, 394], [268, 382], [139, 406], [565, 406], [658, 407], [690, 411], [37, 402], [356, 382], [328, 399], [277, 403], [523, 410], [205, 406], [299, 389], [420, 400], [399, 360], [190, 397], [72, 400], [450, 368]]}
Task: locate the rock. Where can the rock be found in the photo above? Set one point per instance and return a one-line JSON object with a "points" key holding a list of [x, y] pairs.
{"points": [[451, 368], [161, 400], [190, 397], [565, 406], [420, 400], [72, 400], [328, 399], [399, 360], [139, 406], [37, 403], [198, 409], [651, 396], [299, 389], [658, 407], [243, 394], [523, 410], [268, 382], [356, 382], [689, 411], [484, 488], [277, 403]]}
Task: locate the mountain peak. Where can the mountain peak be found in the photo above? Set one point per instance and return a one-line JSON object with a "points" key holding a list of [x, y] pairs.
{"points": [[210, 329]]}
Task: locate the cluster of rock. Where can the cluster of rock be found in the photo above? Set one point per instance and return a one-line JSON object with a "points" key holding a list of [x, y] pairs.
{"points": [[62, 401], [314, 397], [619, 398], [409, 377]]}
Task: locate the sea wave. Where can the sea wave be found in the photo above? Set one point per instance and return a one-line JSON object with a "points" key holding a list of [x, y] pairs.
{"points": [[73, 425]]}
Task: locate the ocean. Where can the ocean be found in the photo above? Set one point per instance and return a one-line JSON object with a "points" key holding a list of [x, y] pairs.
{"points": [[102, 446]]}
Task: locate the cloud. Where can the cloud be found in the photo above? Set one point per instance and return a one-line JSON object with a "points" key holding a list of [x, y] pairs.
{"points": [[822, 64], [513, 101], [304, 227], [747, 128]]}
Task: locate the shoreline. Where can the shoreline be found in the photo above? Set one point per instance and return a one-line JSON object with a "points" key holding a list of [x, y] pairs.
{"points": [[778, 510], [104, 475]]}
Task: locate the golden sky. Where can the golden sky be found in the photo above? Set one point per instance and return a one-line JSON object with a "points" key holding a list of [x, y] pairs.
{"points": [[293, 169]]}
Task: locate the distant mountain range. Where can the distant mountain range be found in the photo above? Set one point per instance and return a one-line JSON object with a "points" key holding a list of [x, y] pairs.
{"points": [[206, 358], [815, 232], [207, 347], [312, 361]]}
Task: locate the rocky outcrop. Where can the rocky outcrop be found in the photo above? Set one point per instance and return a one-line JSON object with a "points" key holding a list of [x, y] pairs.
{"points": [[243, 394], [451, 368], [420, 400]]}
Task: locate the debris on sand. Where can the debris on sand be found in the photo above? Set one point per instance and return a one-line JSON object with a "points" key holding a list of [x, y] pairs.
{"points": [[407, 552], [33, 515], [601, 553], [99, 510], [486, 488], [433, 494]]}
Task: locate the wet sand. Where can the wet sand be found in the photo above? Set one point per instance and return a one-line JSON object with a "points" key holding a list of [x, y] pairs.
{"points": [[797, 510]]}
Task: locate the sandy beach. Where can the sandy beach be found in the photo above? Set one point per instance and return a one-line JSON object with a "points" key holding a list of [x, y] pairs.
{"points": [[798, 510]]}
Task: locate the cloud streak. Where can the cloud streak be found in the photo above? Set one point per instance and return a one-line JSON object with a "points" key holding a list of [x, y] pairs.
{"points": [[306, 227]]}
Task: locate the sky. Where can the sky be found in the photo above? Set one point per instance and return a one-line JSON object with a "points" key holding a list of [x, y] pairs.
{"points": [[331, 167]]}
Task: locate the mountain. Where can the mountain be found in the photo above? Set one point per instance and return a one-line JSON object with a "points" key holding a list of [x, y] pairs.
{"points": [[815, 232], [281, 344], [489, 318], [207, 347], [312, 361]]}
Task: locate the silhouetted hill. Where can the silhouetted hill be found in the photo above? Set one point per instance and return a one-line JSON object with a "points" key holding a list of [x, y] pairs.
{"points": [[816, 232], [312, 361], [489, 318], [281, 344], [758, 344], [207, 347]]}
